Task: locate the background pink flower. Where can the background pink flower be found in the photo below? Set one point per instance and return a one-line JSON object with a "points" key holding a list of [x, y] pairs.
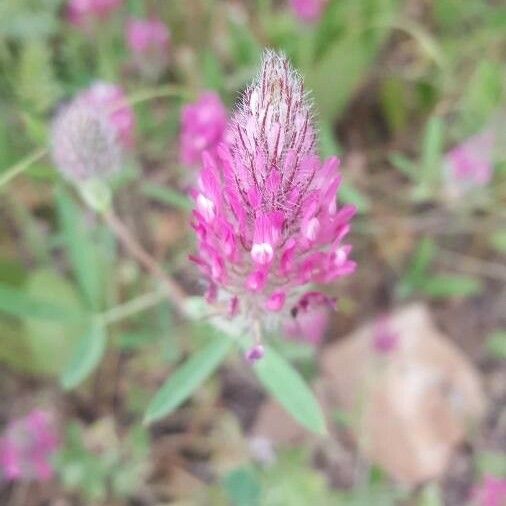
{"points": [[27, 446], [149, 43], [470, 164], [308, 11], [110, 98], [203, 126], [83, 12], [490, 492]]}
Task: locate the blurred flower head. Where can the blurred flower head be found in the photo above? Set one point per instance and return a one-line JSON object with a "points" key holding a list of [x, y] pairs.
{"points": [[308, 11], [84, 145], [266, 216], [470, 164], [27, 446], [84, 13], [149, 42], [111, 99], [203, 126], [490, 492]]}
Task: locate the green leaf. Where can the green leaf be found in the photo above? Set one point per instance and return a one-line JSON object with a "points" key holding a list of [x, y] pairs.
{"points": [[166, 195], [36, 85], [81, 249], [285, 383], [350, 195], [498, 241], [404, 165], [17, 302], [393, 103], [491, 463], [451, 286], [416, 273], [51, 341], [430, 496], [185, 380], [432, 150], [243, 487], [496, 344], [212, 72], [85, 357]]}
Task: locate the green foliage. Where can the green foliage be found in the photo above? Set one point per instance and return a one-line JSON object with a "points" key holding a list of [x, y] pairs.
{"points": [[287, 386], [426, 173], [184, 381], [51, 340], [496, 344], [417, 277], [353, 34], [292, 481], [81, 249], [28, 19], [86, 356], [491, 463], [116, 470], [36, 85], [243, 487], [348, 193]]}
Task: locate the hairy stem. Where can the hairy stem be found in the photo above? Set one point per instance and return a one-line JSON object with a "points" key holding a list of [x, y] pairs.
{"points": [[170, 287]]}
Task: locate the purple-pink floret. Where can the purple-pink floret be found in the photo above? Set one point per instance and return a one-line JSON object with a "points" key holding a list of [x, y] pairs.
{"points": [[490, 492], [27, 447], [203, 125], [308, 11], [255, 353], [85, 12], [266, 216]]}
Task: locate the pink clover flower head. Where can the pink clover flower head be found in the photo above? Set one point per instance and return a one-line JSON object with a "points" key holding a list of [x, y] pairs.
{"points": [[266, 217], [385, 340], [111, 99], [203, 125], [490, 492], [27, 447], [308, 11], [84, 145], [149, 43], [82, 13], [470, 164]]}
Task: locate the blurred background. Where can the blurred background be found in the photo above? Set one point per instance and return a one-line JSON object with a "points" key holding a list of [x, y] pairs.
{"points": [[410, 368]]}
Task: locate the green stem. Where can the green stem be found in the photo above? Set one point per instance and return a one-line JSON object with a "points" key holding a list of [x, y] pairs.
{"points": [[132, 307], [21, 166], [160, 92]]}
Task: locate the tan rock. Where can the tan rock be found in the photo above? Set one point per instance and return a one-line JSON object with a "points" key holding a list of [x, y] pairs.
{"points": [[410, 407]]}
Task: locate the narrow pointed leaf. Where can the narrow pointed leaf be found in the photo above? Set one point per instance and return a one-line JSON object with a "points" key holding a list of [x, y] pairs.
{"points": [[284, 382], [17, 302], [185, 380]]}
